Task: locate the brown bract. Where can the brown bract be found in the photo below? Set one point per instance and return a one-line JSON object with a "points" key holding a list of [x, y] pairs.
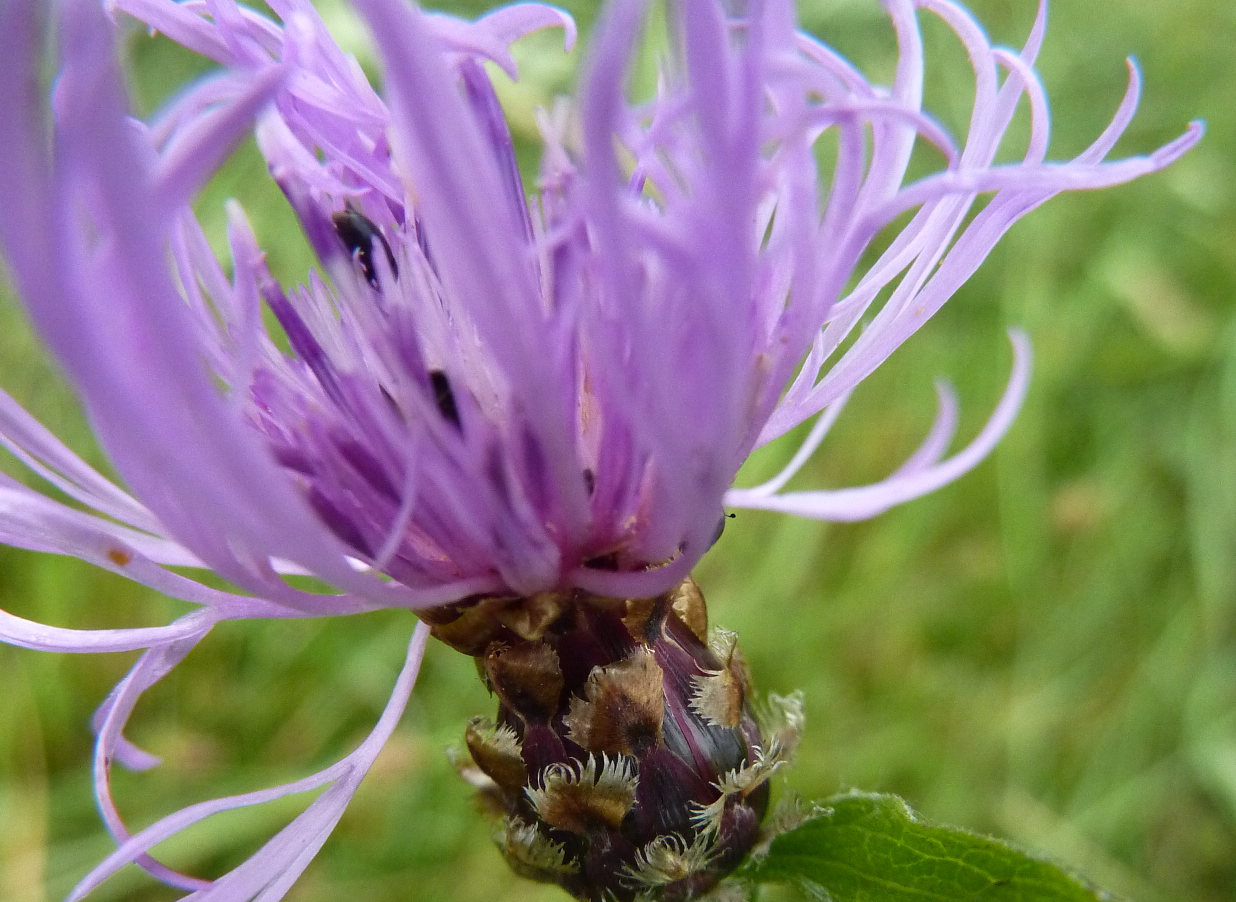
{"points": [[621, 709], [625, 756]]}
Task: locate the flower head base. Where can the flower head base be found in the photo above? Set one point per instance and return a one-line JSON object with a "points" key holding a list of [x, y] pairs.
{"points": [[625, 758], [480, 393]]}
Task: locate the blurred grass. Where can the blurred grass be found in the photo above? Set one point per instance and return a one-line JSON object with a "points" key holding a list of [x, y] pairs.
{"points": [[1044, 650]]}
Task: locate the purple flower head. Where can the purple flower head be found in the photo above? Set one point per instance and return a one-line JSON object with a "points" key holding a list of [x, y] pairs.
{"points": [[482, 388]]}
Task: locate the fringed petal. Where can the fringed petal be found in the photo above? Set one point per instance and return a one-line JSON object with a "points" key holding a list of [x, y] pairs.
{"points": [[819, 431], [198, 149], [111, 745], [41, 637], [36, 447], [271, 870], [908, 482]]}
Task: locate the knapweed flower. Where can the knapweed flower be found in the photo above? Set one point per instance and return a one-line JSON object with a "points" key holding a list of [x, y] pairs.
{"points": [[513, 411]]}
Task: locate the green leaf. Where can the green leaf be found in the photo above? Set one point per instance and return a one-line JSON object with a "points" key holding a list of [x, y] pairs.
{"points": [[874, 848]]}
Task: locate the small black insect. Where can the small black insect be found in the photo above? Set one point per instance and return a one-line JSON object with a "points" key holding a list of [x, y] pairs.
{"points": [[357, 234], [444, 397], [721, 526]]}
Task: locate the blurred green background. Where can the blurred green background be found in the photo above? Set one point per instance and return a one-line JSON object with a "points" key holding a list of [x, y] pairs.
{"points": [[1044, 650]]}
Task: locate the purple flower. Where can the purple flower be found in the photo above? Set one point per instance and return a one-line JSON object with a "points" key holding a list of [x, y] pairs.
{"points": [[487, 389]]}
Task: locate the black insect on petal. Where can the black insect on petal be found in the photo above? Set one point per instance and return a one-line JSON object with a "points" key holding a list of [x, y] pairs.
{"points": [[357, 234], [721, 527], [444, 397]]}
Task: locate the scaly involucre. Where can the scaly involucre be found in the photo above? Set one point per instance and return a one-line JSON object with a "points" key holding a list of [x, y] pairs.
{"points": [[481, 391]]}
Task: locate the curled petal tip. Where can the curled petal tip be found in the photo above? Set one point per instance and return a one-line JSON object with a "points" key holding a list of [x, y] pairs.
{"points": [[1170, 153]]}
